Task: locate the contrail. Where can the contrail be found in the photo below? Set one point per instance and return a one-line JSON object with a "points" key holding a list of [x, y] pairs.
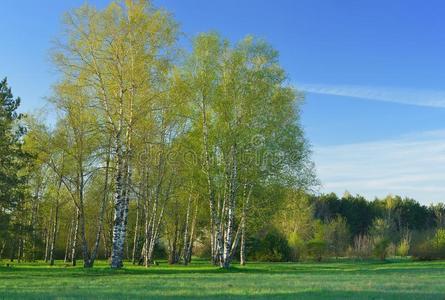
{"points": [[419, 97]]}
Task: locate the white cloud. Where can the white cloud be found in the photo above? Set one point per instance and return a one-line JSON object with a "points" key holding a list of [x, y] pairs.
{"points": [[431, 98], [412, 166]]}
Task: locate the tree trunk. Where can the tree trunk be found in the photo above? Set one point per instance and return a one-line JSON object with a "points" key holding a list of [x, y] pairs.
{"points": [[136, 233], [117, 250], [74, 239], [35, 208], [68, 241], [236, 240], [154, 236], [54, 233], [48, 235], [218, 243], [89, 260], [173, 257], [56, 218], [85, 253], [2, 248], [152, 229], [20, 250], [187, 217], [101, 216], [156, 224], [192, 235], [173, 244], [147, 234], [230, 209], [105, 242], [12, 251], [243, 228]]}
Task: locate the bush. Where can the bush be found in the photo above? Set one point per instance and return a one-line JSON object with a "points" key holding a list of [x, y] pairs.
{"points": [[428, 250], [337, 236], [381, 248], [160, 251], [296, 247], [316, 248], [403, 247], [269, 245], [432, 248], [392, 249], [202, 248], [362, 247], [439, 238]]}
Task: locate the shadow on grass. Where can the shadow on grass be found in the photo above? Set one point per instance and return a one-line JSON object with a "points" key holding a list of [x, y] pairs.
{"points": [[201, 267], [296, 270], [321, 294]]}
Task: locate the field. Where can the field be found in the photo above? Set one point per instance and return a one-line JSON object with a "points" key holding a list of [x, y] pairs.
{"points": [[331, 280]]}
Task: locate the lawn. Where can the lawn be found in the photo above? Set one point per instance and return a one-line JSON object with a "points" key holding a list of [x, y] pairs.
{"points": [[331, 280]]}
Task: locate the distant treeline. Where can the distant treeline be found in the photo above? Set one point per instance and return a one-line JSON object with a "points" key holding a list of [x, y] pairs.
{"points": [[318, 226], [402, 213]]}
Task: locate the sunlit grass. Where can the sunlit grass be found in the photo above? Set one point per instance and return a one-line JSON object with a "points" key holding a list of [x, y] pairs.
{"points": [[333, 280]]}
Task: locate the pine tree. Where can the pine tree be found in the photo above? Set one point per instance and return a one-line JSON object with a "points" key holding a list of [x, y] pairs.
{"points": [[12, 161]]}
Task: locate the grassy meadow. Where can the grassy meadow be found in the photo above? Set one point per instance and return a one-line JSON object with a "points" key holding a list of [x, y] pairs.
{"points": [[394, 279]]}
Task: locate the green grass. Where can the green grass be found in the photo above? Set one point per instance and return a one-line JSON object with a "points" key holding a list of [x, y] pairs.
{"points": [[333, 280]]}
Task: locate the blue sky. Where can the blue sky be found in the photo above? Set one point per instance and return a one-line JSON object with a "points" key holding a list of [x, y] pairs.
{"points": [[373, 72]]}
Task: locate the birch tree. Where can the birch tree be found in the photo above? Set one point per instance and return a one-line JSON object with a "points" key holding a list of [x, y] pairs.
{"points": [[247, 117], [118, 55]]}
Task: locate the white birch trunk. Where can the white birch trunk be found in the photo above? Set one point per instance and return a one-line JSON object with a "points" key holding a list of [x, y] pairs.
{"points": [[218, 242], [136, 233], [192, 234], [231, 210], [117, 250], [243, 228], [48, 234], [187, 217], [56, 224], [74, 239]]}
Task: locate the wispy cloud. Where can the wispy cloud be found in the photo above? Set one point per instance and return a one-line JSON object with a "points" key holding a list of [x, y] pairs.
{"points": [[431, 98], [412, 166]]}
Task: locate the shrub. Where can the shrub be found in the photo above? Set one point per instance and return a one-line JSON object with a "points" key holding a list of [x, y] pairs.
{"points": [[428, 250], [404, 247], [316, 248], [362, 247], [269, 245], [202, 248], [337, 236], [439, 238], [392, 249], [296, 247], [381, 247], [160, 251], [432, 248]]}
